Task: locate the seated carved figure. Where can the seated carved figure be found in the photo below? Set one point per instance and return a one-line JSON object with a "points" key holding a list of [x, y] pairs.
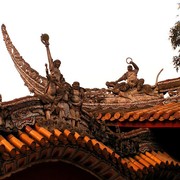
{"points": [[131, 77], [131, 80]]}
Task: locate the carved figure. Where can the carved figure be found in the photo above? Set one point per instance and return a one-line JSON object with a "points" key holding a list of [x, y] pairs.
{"points": [[55, 78], [56, 71], [76, 95], [131, 76], [53, 65]]}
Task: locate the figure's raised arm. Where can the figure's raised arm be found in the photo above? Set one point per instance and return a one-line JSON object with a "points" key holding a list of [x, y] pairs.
{"points": [[45, 41], [134, 65]]}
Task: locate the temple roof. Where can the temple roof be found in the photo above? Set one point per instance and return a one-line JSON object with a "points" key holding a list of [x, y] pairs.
{"points": [[37, 144], [106, 132], [164, 115]]}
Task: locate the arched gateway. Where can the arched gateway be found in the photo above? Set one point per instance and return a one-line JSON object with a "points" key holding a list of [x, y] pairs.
{"points": [[66, 131]]}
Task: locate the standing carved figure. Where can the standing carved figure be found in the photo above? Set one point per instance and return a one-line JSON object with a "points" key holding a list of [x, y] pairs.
{"points": [[55, 89], [55, 78], [56, 71], [76, 95]]}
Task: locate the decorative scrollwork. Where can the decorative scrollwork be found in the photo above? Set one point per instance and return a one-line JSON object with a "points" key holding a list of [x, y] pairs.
{"points": [[35, 82]]}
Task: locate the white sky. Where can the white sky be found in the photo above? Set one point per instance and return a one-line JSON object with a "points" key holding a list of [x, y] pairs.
{"points": [[92, 38]]}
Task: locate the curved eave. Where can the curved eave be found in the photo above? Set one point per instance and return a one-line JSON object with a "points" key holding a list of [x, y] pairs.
{"points": [[37, 145], [158, 116], [33, 146]]}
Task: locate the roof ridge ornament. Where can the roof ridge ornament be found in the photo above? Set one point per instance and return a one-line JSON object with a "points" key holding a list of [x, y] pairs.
{"points": [[32, 79]]}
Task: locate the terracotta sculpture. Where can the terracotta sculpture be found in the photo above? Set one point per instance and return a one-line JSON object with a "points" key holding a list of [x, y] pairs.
{"points": [[85, 126], [131, 77]]}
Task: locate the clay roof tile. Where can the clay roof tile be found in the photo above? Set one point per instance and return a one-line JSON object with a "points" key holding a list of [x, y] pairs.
{"points": [[8, 146], [17, 143], [27, 140], [35, 135]]}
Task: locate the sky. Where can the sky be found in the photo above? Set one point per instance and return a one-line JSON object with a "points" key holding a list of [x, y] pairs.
{"points": [[92, 38]]}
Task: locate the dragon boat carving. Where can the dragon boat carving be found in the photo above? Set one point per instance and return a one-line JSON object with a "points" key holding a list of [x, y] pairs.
{"points": [[80, 116]]}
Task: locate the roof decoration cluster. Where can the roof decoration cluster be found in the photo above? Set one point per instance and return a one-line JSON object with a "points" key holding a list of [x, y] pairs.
{"points": [[83, 126], [36, 144]]}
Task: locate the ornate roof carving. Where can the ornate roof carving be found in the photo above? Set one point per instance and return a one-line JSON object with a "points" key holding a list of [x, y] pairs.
{"points": [[69, 123], [35, 82]]}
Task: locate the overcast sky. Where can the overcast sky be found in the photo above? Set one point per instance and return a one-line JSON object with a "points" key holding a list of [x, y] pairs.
{"points": [[92, 38]]}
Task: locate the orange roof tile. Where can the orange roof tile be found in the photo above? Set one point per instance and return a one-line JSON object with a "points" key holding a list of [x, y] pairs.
{"points": [[22, 143], [34, 134], [26, 139], [8, 146], [45, 132], [142, 161], [164, 115], [17, 143]]}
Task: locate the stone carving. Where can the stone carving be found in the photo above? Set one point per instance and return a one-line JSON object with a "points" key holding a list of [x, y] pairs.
{"points": [[6, 123], [35, 82], [76, 96], [130, 77], [60, 97], [55, 79], [129, 84], [61, 104]]}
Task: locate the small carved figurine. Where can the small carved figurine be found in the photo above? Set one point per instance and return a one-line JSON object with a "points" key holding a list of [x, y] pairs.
{"points": [[131, 77]]}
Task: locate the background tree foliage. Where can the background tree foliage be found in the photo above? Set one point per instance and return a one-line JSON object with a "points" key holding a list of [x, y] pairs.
{"points": [[175, 41]]}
